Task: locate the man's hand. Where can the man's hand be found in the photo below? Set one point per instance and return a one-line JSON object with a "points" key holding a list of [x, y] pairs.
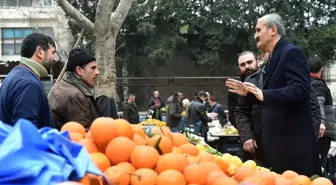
{"points": [[322, 130], [255, 90], [236, 86], [250, 145]]}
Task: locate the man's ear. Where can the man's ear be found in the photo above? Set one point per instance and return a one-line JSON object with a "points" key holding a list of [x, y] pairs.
{"points": [[39, 52], [79, 70]]}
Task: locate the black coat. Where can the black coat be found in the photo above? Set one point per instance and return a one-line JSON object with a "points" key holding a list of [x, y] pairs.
{"points": [[131, 113], [288, 133], [107, 107]]}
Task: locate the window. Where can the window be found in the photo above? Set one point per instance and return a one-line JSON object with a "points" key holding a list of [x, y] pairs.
{"points": [[11, 38], [47, 2], [15, 3]]}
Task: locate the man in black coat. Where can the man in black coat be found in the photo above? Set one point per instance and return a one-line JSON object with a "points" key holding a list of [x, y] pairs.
{"points": [[289, 140], [247, 65]]}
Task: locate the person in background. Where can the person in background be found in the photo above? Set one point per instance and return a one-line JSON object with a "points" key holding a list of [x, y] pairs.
{"points": [[130, 110], [185, 104], [22, 94], [217, 108], [247, 65], [155, 110], [72, 98], [156, 96], [197, 112], [174, 113], [327, 131]]}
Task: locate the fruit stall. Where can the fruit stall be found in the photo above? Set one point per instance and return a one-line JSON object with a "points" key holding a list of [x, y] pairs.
{"points": [[115, 152]]}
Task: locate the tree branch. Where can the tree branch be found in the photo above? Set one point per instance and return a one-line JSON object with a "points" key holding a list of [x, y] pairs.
{"points": [[103, 12], [76, 15], [119, 15]]}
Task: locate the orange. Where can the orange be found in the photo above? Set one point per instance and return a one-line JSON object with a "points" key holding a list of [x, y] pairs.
{"points": [[195, 174], [321, 181], [189, 149], [289, 174], [73, 127], [103, 130], [144, 157], [242, 172], [225, 181], [179, 139], [89, 145], [163, 131], [128, 167], [139, 140], [138, 130], [119, 150], [144, 176], [301, 180], [123, 128], [213, 176], [100, 160], [254, 180], [171, 177], [117, 175], [171, 161], [76, 137], [165, 145]]}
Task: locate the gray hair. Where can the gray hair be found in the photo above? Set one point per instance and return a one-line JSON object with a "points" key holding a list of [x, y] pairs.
{"points": [[275, 20]]}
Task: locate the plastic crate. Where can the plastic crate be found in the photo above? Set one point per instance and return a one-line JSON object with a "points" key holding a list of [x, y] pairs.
{"points": [[189, 127], [233, 149]]}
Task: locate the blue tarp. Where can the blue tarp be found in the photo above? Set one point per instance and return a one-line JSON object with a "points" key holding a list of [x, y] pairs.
{"points": [[35, 157]]}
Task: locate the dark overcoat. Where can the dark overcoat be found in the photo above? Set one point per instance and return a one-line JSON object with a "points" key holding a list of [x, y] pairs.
{"points": [[288, 132]]}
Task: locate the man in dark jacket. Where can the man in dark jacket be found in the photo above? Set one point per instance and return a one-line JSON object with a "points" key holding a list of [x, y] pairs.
{"points": [[174, 113], [197, 112], [327, 127], [287, 119], [130, 110], [247, 65], [217, 108], [248, 117], [22, 94], [155, 110], [72, 98]]}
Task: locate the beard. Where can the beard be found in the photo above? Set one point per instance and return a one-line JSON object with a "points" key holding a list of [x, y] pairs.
{"points": [[249, 72]]}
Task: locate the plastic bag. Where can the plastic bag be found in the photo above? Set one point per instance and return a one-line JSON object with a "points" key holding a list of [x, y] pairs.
{"points": [[45, 156]]}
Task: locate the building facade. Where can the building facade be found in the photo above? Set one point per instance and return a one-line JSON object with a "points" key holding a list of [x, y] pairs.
{"points": [[19, 18]]}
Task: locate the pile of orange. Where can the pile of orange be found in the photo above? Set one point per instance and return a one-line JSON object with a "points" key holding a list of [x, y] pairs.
{"points": [[128, 156]]}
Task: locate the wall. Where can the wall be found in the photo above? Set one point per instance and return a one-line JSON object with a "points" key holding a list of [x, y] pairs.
{"points": [[38, 16]]}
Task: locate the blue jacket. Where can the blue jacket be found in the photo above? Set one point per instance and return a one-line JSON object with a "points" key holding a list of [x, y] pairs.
{"points": [[22, 96]]}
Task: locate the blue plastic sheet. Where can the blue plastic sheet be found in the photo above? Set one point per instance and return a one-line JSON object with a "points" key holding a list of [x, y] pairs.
{"points": [[35, 157]]}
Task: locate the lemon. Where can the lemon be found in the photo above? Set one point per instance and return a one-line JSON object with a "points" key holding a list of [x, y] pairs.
{"points": [[236, 160], [226, 157], [250, 163], [200, 147]]}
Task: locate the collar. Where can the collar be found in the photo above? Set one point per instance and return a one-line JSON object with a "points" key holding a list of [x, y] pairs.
{"points": [[37, 68], [75, 80], [314, 75]]}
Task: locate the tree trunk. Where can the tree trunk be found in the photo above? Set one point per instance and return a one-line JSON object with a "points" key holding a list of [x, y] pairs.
{"points": [[105, 55], [125, 81]]}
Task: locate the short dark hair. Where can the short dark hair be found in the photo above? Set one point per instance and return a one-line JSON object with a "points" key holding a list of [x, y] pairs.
{"points": [[131, 95], [245, 53], [202, 94], [33, 40], [315, 64]]}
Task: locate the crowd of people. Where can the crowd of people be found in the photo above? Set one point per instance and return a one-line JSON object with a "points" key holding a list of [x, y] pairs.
{"points": [[282, 109]]}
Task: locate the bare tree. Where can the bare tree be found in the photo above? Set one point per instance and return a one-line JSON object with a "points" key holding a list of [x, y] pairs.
{"points": [[105, 29]]}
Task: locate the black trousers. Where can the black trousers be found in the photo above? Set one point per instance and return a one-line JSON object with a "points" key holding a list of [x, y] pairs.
{"points": [[324, 147]]}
